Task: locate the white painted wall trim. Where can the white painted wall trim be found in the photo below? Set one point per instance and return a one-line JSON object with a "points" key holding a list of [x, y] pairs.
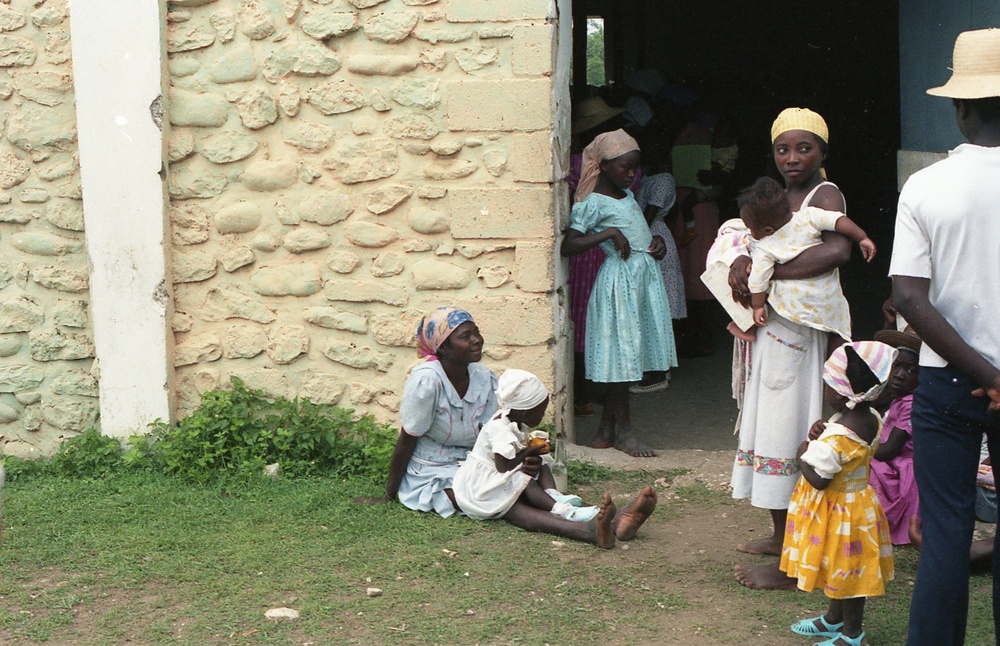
{"points": [[118, 59]]}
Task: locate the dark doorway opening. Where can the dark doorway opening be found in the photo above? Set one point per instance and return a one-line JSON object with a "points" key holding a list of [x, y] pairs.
{"points": [[750, 60]]}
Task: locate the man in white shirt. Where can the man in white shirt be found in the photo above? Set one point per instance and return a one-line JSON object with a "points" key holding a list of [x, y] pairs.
{"points": [[946, 257]]}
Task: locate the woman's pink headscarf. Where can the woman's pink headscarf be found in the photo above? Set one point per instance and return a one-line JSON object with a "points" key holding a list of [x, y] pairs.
{"points": [[435, 328], [604, 146]]}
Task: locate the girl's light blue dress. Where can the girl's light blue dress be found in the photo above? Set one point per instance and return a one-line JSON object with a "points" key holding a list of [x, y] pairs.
{"points": [[628, 316]]}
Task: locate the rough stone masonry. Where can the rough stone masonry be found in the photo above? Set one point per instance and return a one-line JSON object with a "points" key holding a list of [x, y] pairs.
{"points": [[335, 168]]}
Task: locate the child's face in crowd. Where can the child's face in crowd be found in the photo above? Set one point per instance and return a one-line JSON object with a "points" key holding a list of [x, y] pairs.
{"points": [[905, 373], [798, 155], [621, 170]]}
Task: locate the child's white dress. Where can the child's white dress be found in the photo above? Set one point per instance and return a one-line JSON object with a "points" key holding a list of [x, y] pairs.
{"points": [[481, 491]]}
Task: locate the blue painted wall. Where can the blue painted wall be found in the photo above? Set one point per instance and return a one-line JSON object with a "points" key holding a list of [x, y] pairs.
{"points": [[927, 32]]}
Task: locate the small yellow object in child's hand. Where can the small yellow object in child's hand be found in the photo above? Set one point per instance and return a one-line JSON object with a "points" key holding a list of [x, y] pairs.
{"points": [[539, 438]]}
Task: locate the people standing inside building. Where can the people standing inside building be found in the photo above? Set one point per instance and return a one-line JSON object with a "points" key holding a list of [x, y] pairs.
{"points": [[946, 255], [656, 197], [691, 159], [628, 314]]}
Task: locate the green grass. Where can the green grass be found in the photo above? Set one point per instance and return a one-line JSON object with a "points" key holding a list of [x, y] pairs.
{"points": [[148, 559]]}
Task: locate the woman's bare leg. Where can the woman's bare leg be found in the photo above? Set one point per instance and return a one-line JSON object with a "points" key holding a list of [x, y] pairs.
{"points": [[605, 437], [624, 440], [770, 576], [597, 532]]}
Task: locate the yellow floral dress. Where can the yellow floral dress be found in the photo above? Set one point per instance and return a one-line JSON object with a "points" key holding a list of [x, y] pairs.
{"points": [[837, 538]]}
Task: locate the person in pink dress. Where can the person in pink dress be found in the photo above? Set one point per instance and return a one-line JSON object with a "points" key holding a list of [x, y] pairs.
{"points": [[891, 473]]}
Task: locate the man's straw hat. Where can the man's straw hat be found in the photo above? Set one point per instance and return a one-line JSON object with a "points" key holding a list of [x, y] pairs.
{"points": [[592, 112], [905, 338], [975, 72]]}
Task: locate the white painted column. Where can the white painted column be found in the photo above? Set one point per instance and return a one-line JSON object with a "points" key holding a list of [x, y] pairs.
{"points": [[117, 65]]}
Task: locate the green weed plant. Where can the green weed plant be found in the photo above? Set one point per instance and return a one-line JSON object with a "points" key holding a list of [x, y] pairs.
{"points": [[237, 431]]}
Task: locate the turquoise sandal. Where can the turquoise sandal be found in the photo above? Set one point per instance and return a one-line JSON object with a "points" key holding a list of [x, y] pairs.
{"points": [[857, 641], [808, 628], [568, 498]]}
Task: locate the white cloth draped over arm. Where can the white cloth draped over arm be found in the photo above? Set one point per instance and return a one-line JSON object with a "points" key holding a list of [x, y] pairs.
{"points": [[731, 242]]}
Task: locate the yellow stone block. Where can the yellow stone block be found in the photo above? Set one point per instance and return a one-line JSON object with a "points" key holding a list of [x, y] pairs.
{"points": [[513, 213], [504, 105]]}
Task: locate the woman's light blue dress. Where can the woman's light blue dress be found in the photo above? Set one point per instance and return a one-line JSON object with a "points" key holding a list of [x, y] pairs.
{"points": [[446, 427], [628, 317]]}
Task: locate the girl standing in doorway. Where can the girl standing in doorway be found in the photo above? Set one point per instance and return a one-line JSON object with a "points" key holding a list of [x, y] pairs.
{"points": [[628, 316]]}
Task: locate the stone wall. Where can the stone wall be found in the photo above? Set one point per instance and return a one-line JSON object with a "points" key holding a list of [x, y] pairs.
{"points": [[48, 387], [338, 168]]}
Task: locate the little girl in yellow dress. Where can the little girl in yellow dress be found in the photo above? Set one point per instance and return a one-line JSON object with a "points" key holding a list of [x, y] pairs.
{"points": [[837, 537]]}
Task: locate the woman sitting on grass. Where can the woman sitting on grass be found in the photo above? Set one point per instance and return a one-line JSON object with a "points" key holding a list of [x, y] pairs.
{"points": [[446, 400], [491, 483]]}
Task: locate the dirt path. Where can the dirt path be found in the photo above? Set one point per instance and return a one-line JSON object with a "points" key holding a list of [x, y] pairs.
{"points": [[691, 548]]}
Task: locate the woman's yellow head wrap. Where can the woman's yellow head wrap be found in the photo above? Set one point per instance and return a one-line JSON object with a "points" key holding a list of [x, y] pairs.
{"points": [[800, 119]]}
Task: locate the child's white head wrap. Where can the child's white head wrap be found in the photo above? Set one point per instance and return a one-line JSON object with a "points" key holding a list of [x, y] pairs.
{"points": [[520, 390]]}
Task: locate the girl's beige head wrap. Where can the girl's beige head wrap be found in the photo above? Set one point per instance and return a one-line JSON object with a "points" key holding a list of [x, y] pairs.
{"points": [[608, 145]]}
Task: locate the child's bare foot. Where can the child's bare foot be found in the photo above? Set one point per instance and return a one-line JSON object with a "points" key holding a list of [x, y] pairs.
{"points": [[632, 517], [604, 438], [601, 441], [627, 443], [770, 545], [763, 577], [605, 517]]}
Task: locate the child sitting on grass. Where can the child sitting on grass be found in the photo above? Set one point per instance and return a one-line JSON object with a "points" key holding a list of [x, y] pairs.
{"points": [[838, 537], [778, 237], [492, 483]]}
